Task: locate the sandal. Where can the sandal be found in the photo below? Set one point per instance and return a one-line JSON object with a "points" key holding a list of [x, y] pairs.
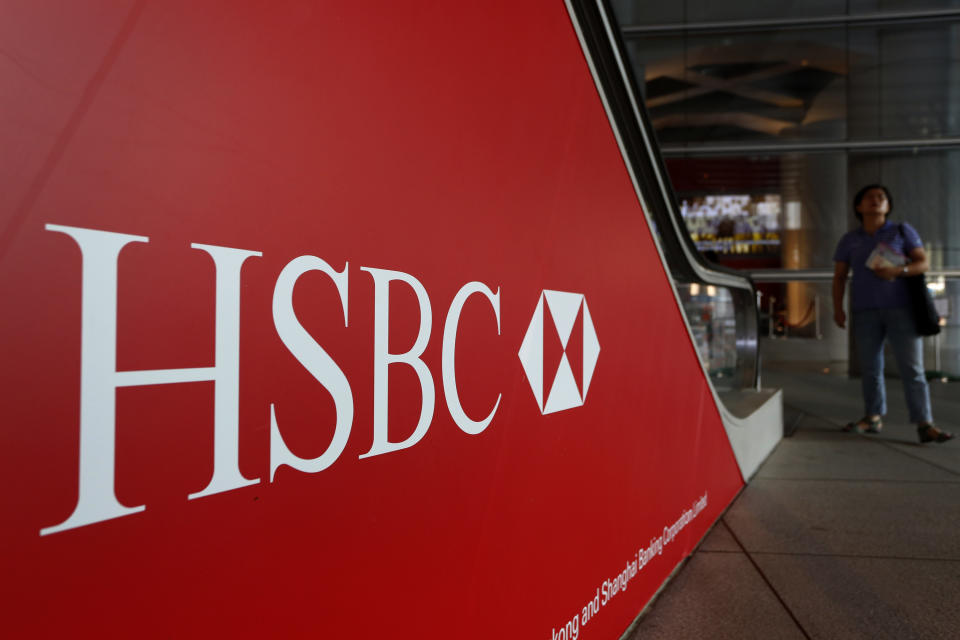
{"points": [[929, 433], [866, 424]]}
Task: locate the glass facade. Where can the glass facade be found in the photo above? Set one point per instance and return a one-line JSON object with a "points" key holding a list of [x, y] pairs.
{"points": [[770, 116]]}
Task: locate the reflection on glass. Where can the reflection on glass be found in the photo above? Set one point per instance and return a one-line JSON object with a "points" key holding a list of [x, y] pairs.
{"points": [[744, 86], [833, 107], [800, 204], [713, 320], [733, 223], [649, 13], [633, 13], [903, 81], [710, 10], [874, 6], [941, 351], [797, 310], [856, 82]]}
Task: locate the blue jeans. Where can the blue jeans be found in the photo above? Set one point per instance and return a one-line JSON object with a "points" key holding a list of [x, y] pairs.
{"points": [[872, 326]]}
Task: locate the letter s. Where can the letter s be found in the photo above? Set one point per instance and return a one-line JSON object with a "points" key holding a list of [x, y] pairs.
{"points": [[315, 360]]}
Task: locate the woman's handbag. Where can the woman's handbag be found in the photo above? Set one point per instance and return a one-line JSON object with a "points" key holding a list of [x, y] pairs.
{"points": [[924, 311]]}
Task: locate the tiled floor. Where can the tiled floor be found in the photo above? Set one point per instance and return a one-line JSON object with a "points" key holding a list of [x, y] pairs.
{"points": [[837, 536]]}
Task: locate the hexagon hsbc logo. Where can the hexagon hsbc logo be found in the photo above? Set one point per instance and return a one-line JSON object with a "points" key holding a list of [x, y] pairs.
{"points": [[569, 344]]}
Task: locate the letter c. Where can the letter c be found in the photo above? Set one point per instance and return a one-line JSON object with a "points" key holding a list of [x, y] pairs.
{"points": [[473, 427]]}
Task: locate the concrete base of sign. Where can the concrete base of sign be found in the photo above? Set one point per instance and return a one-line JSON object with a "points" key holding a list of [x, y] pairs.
{"points": [[754, 424]]}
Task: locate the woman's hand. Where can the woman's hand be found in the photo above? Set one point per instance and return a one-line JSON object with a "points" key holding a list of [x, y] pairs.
{"points": [[840, 318], [888, 273], [840, 270]]}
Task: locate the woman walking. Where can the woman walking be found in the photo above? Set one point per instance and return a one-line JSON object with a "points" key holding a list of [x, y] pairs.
{"points": [[881, 308]]}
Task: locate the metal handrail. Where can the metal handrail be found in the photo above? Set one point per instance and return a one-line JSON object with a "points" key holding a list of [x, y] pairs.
{"points": [[780, 147], [825, 274], [814, 22]]}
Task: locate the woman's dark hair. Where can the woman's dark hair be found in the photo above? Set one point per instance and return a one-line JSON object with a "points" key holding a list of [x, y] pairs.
{"points": [[857, 199]]}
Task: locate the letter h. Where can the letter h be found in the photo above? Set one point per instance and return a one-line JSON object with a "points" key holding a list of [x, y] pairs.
{"points": [[99, 378]]}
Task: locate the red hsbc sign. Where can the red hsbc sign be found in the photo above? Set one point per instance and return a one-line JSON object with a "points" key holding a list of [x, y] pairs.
{"points": [[333, 320], [99, 379]]}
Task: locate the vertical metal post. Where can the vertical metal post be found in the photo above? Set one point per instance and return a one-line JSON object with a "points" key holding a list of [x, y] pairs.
{"points": [[816, 315], [770, 316], [786, 320], [936, 352]]}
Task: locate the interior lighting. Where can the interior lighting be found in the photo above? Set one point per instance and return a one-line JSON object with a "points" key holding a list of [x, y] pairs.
{"points": [[711, 290], [694, 289]]}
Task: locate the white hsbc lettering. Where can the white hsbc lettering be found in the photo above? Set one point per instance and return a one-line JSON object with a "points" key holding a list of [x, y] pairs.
{"points": [[99, 378]]}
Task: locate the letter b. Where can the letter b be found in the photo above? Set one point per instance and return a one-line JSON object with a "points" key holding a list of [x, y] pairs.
{"points": [[383, 359]]}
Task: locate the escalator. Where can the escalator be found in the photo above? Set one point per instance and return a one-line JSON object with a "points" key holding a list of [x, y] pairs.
{"points": [[719, 305]]}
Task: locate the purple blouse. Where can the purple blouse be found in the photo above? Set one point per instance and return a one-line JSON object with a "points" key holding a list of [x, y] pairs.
{"points": [[869, 291]]}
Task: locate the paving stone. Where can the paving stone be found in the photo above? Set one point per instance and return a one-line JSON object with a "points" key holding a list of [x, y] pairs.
{"points": [[717, 595], [896, 519], [869, 598], [719, 539], [945, 455], [833, 455], [855, 535]]}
